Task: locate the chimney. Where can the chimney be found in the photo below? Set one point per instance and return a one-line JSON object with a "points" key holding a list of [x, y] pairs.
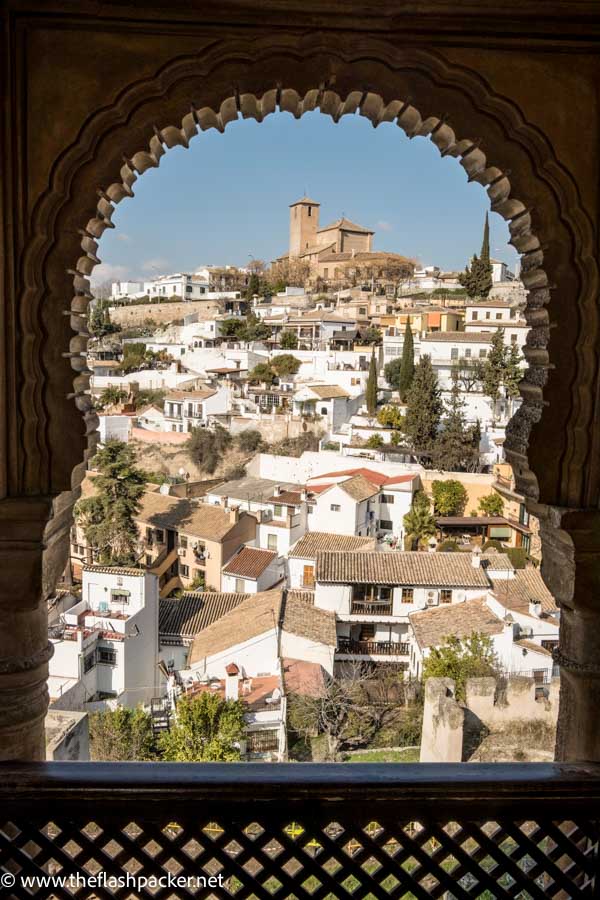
{"points": [[535, 608], [277, 490], [224, 501], [232, 684], [234, 514], [476, 558], [304, 494]]}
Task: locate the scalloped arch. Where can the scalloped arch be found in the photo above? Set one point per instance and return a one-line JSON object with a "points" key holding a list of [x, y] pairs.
{"points": [[420, 91]]}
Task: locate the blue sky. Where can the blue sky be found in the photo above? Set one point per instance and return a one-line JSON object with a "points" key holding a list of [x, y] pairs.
{"points": [[227, 197]]}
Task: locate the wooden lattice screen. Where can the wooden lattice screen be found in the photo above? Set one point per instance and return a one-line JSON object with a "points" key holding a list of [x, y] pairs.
{"points": [[298, 831]]}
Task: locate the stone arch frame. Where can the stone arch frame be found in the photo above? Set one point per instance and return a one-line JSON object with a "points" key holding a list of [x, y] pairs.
{"points": [[440, 99]]}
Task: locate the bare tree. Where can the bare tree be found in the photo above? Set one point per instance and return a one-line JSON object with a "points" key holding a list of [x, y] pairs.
{"points": [[337, 711]]}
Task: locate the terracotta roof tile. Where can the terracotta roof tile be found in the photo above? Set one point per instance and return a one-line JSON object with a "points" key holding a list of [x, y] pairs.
{"points": [[250, 562], [314, 542], [185, 617], [431, 626], [203, 520], [358, 488], [114, 570], [400, 567], [527, 584], [302, 618], [301, 677], [257, 614]]}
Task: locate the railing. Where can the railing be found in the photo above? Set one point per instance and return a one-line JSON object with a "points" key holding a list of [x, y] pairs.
{"points": [[372, 648], [338, 830], [364, 608]]}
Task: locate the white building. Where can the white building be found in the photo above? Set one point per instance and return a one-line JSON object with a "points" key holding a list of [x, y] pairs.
{"points": [[500, 271], [302, 556], [114, 428], [328, 401], [106, 644], [127, 290], [185, 410], [489, 315], [252, 571], [370, 503]]}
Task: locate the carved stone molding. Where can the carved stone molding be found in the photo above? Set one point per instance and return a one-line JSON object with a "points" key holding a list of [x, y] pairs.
{"points": [[423, 93]]}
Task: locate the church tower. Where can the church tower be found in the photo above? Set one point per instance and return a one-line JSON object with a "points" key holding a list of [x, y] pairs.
{"points": [[304, 221]]}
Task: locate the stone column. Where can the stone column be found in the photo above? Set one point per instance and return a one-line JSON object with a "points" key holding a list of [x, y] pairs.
{"points": [[34, 535], [571, 568]]}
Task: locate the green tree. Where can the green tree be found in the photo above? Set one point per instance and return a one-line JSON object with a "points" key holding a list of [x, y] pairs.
{"points": [[262, 373], [285, 364], [149, 397], [391, 372], [371, 394], [206, 447], [455, 449], [461, 659], [477, 278], [288, 340], [371, 335], [407, 364], [449, 498], [494, 369], [108, 517], [250, 441], [111, 396], [419, 523], [513, 372], [424, 410], [492, 504], [121, 735], [374, 442], [391, 417], [253, 287], [255, 329], [207, 729], [135, 357], [233, 328]]}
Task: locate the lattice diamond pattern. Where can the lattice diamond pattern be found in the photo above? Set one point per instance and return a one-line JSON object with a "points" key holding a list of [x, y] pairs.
{"points": [[303, 857]]}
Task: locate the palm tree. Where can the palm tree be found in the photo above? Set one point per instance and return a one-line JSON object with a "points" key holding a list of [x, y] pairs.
{"points": [[419, 522], [110, 396]]}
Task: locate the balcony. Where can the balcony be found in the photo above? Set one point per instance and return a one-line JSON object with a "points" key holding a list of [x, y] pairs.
{"points": [[372, 648], [364, 608], [363, 830]]}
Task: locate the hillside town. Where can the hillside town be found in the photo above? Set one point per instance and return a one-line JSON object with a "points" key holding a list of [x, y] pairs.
{"points": [[300, 502]]}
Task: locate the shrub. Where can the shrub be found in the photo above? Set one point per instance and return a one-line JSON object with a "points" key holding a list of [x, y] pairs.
{"points": [[206, 447], [374, 442], [250, 441], [448, 546]]}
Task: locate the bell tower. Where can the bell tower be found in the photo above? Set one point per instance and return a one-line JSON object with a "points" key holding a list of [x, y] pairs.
{"points": [[304, 221]]}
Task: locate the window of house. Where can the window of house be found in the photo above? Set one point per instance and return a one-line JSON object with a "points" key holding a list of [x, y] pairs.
{"points": [[474, 316], [89, 662], [119, 596], [148, 560], [325, 273], [323, 410], [549, 644], [271, 542], [446, 595], [240, 585], [310, 210], [386, 525], [160, 536], [482, 354], [188, 288], [106, 656], [454, 353], [513, 339], [184, 570], [468, 353], [335, 507], [277, 510], [262, 741], [408, 595], [387, 498], [148, 534], [183, 542], [488, 315], [498, 315]]}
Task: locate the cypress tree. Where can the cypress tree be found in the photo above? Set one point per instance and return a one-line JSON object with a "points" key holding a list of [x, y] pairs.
{"points": [[477, 278], [485, 246], [494, 370], [407, 368], [371, 397], [454, 445], [424, 409]]}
